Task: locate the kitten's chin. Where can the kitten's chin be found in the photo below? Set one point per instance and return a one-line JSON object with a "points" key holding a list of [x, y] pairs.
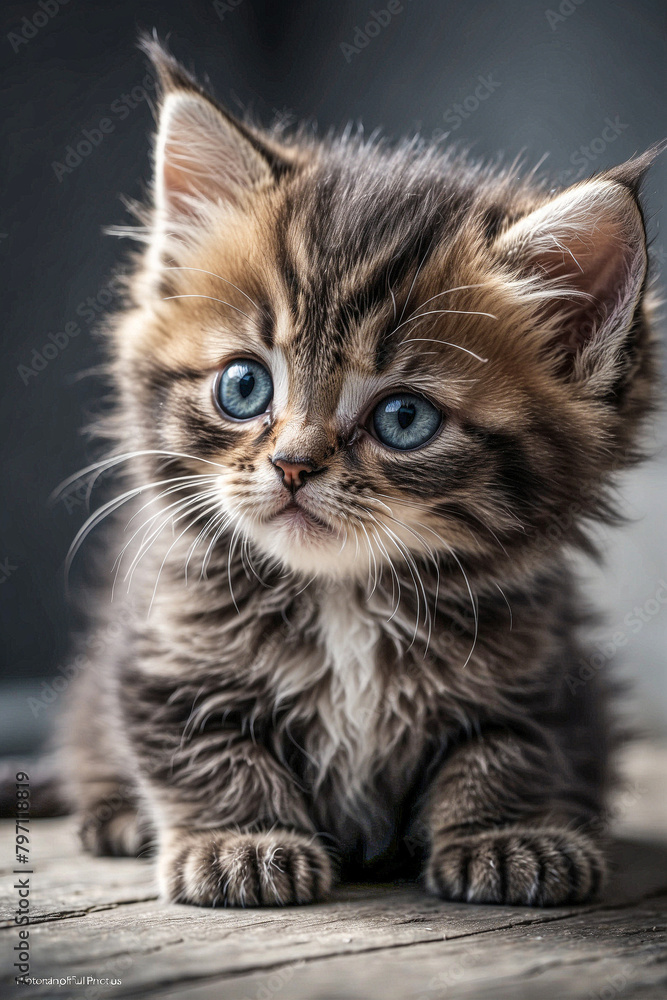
{"points": [[304, 544]]}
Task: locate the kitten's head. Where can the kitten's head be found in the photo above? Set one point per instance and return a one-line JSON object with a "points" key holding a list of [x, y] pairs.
{"points": [[380, 353]]}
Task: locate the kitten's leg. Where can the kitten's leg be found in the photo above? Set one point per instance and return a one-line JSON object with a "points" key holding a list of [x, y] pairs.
{"points": [[501, 831], [233, 827], [239, 835], [109, 820], [94, 778]]}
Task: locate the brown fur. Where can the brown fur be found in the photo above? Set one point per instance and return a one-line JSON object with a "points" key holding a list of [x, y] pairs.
{"points": [[387, 679]]}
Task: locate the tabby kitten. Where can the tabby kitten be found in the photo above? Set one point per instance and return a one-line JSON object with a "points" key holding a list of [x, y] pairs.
{"points": [[366, 400]]}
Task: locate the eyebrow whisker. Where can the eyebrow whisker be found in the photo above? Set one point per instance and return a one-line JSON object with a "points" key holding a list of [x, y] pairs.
{"points": [[458, 288], [439, 312], [414, 280], [445, 343], [177, 267], [196, 295]]}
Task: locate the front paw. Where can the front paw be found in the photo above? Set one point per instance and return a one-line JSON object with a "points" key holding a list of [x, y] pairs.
{"points": [[226, 868], [520, 867], [118, 832]]}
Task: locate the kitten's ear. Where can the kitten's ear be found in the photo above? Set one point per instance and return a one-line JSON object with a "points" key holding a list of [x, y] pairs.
{"points": [[585, 251], [203, 155]]}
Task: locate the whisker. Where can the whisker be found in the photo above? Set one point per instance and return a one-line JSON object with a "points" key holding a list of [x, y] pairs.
{"points": [[229, 566], [414, 573], [166, 556], [181, 511], [175, 267], [125, 457], [226, 515], [146, 527], [197, 295], [456, 559], [436, 565], [445, 343], [393, 301], [109, 507], [217, 526], [371, 555], [448, 291], [441, 312], [473, 603], [208, 526], [395, 589], [414, 280], [429, 509], [509, 606]]}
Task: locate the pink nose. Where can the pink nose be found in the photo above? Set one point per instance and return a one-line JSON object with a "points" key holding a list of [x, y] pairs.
{"points": [[293, 472]]}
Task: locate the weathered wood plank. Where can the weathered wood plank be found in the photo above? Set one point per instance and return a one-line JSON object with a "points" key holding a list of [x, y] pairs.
{"points": [[122, 940], [99, 917], [359, 949], [65, 881], [604, 955], [205, 942]]}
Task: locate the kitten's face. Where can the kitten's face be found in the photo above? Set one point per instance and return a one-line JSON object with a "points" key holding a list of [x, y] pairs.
{"points": [[352, 356], [334, 374]]}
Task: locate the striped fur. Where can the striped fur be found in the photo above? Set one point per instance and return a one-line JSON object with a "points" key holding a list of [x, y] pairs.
{"points": [[382, 677]]}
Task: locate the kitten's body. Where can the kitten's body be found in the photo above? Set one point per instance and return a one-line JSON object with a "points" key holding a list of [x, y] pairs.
{"points": [[378, 664], [360, 728]]}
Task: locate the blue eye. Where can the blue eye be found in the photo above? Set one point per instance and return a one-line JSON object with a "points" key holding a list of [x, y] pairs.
{"points": [[405, 421], [244, 389]]}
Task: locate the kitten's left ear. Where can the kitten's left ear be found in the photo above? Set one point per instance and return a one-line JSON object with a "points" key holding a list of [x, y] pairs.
{"points": [[203, 155], [585, 251]]}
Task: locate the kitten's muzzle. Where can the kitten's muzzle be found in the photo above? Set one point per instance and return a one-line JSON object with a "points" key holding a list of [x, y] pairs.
{"points": [[293, 470]]}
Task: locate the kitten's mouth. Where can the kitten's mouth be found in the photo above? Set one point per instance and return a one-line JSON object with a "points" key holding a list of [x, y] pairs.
{"points": [[296, 516]]}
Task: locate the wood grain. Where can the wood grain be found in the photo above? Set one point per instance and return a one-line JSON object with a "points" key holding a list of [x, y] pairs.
{"points": [[100, 917]]}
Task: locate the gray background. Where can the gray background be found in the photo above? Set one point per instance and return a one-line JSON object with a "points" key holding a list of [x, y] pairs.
{"points": [[559, 71]]}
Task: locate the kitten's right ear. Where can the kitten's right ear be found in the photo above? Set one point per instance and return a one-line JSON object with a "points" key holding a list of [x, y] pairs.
{"points": [[203, 155], [584, 252]]}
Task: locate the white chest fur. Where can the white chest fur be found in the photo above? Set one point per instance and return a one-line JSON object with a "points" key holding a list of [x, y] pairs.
{"points": [[351, 694]]}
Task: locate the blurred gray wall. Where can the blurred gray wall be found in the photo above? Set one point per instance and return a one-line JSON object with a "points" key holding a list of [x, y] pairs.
{"points": [[580, 83]]}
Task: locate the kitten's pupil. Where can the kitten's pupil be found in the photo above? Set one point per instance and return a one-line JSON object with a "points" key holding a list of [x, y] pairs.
{"points": [[406, 415], [246, 384]]}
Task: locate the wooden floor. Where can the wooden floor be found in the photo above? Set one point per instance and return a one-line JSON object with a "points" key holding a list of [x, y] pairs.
{"points": [[100, 918]]}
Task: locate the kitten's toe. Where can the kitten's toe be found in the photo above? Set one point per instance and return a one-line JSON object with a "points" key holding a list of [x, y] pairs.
{"points": [[226, 868], [115, 833], [521, 867]]}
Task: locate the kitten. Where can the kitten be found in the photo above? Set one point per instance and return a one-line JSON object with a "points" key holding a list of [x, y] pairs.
{"points": [[367, 398]]}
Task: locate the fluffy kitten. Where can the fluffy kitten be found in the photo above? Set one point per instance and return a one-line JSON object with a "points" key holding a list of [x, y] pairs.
{"points": [[366, 399]]}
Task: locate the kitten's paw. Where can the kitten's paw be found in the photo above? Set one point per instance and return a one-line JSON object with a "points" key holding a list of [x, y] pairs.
{"points": [[520, 867], [225, 868], [113, 832]]}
